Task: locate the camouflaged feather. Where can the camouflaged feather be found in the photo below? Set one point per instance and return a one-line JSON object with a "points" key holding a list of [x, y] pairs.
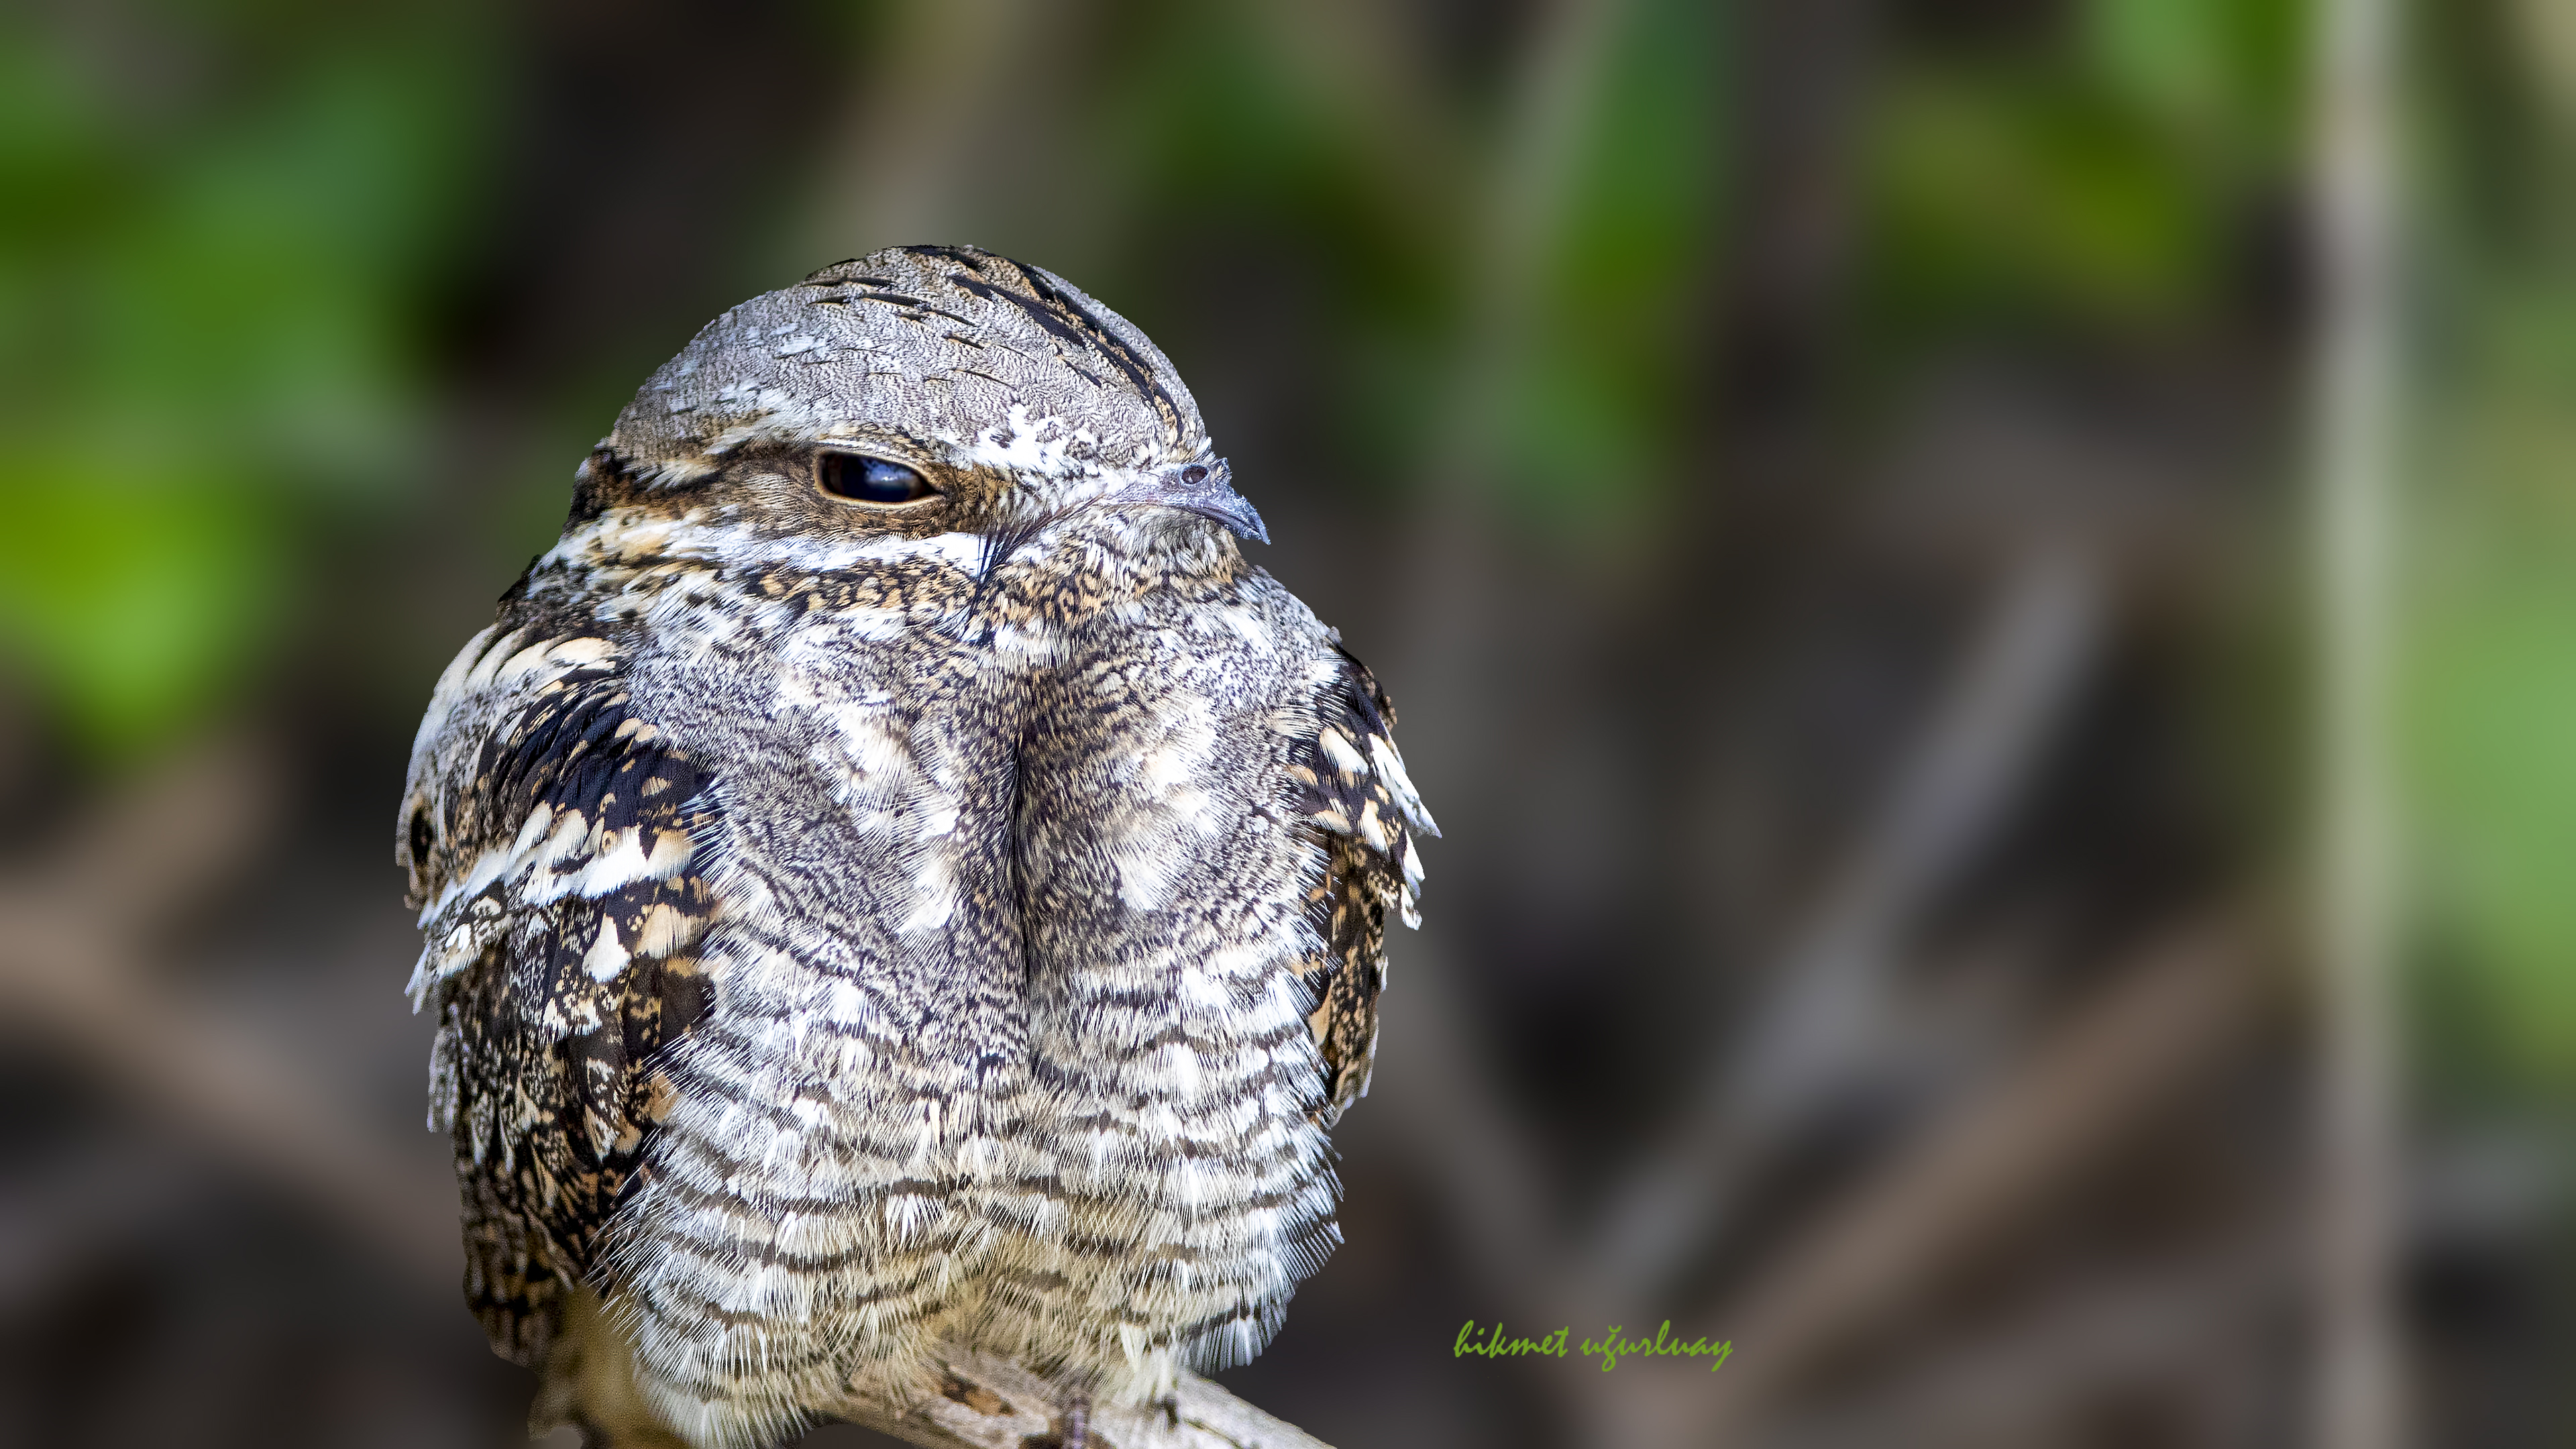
{"points": [[859, 928]]}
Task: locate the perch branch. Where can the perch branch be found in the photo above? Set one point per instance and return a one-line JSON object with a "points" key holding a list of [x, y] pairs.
{"points": [[991, 1403]]}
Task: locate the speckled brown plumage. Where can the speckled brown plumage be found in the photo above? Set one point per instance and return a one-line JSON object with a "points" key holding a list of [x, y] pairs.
{"points": [[1371, 869], [863, 922]]}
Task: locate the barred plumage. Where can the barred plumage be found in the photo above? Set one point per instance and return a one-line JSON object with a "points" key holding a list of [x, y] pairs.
{"points": [[863, 922]]}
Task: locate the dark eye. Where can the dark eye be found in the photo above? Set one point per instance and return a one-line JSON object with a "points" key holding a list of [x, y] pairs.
{"points": [[872, 480]]}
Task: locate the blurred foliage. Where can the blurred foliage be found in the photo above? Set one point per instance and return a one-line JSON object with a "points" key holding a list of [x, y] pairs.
{"points": [[2492, 601], [2096, 177], [227, 227], [1218, 128], [234, 282], [2102, 181], [1603, 381], [2493, 689], [1602, 403], [211, 320]]}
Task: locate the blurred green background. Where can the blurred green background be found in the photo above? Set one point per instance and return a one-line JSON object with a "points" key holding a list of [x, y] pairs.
{"points": [[1625, 312]]}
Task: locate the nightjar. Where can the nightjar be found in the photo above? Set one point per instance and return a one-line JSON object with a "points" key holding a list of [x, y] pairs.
{"points": [[893, 875]]}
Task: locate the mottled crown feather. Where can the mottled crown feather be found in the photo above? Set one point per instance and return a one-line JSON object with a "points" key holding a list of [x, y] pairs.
{"points": [[942, 346]]}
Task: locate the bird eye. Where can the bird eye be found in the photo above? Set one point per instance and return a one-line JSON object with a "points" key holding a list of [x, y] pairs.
{"points": [[872, 480]]}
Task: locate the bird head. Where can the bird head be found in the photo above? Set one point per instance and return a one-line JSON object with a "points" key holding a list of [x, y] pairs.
{"points": [[930, 394]]}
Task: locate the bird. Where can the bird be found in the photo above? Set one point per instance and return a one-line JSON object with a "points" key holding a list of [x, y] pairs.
{"points": [[895, 878]]}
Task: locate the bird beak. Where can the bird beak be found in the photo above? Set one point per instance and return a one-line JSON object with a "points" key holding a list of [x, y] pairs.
{"points": [[1206, 489]]}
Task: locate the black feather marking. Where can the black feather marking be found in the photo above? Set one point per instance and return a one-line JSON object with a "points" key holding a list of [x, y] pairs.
{"points": [[1362, 882], [621, 805], [893, 299], [584, 784], [555, 1098], [1110, 345], [816, 280], [1059, 315], [967, 257]]}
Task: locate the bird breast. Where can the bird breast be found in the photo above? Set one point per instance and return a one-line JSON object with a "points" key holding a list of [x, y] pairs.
{"points": [[1006, 980]]}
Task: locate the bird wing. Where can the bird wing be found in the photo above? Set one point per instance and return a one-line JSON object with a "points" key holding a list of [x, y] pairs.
{"points": [[1358, 797], [555, 844]]}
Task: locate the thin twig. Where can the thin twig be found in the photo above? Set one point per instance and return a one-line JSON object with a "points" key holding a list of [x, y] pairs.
{"points": [[2011, 1383], [2099, 1075], [1829, 1004], [78, 932], [2360, 1395]]}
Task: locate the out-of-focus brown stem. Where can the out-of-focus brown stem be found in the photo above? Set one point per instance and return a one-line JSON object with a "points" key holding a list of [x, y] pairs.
{"points": [[1823, 1017], [2075, 1098], [2184, 1316], [73, 949], [990, 1403], [2361, 1400]]}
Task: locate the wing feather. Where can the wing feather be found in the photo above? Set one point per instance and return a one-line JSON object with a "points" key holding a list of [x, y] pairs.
{"points": [[1356, 795], [552, 838]]}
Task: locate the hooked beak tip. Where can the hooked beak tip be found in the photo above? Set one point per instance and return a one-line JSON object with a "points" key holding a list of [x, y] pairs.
{"points": [[1208, 491], [1245, 523]]}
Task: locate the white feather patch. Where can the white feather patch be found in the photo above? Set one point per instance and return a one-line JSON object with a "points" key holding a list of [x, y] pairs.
{"points": [[1337, 746], [1390, 768], [606, 956]]}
